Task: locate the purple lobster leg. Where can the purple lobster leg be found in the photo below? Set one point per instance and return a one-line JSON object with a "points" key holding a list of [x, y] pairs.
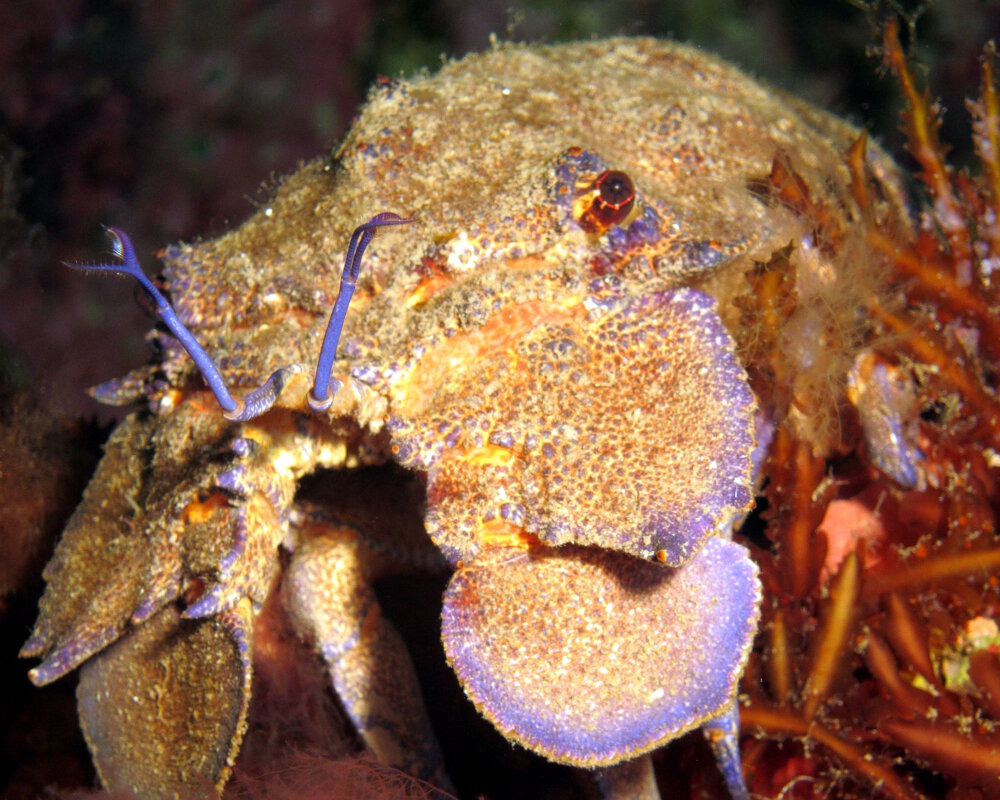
{"points": [[328, 596], [636, 780], [723, 734]]}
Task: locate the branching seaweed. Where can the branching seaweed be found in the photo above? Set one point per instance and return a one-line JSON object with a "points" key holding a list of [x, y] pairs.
{"points": [[877, 673]]}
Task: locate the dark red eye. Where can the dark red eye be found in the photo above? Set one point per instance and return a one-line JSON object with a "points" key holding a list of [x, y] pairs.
{"points": [[608, 203], [616, 193]]}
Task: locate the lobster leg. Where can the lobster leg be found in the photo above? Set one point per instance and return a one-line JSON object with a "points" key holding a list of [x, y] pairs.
{"points": [[328, 596], [723, 735]]}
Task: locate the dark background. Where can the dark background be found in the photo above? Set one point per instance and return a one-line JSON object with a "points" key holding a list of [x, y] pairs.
{"points": [[172, 120]]}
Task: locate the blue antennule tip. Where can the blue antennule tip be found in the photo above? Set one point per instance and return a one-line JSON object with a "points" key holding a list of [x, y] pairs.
{"points": [[324, 385]]}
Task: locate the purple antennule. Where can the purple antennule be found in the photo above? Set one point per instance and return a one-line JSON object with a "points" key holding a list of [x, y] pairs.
{"points": [[122, 248], [255, 403], [321, 396], [262, 398]]}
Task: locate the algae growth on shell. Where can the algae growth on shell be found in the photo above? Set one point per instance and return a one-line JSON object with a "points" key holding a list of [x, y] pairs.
{"points": [[470, 152]]}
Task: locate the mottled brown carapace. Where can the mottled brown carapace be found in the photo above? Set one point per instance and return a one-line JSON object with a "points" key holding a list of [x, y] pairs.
{"points": [[638, 285]]}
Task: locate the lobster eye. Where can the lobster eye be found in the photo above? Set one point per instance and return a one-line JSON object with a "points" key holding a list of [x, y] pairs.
{"points": [[616, 193], [609, 201]]}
